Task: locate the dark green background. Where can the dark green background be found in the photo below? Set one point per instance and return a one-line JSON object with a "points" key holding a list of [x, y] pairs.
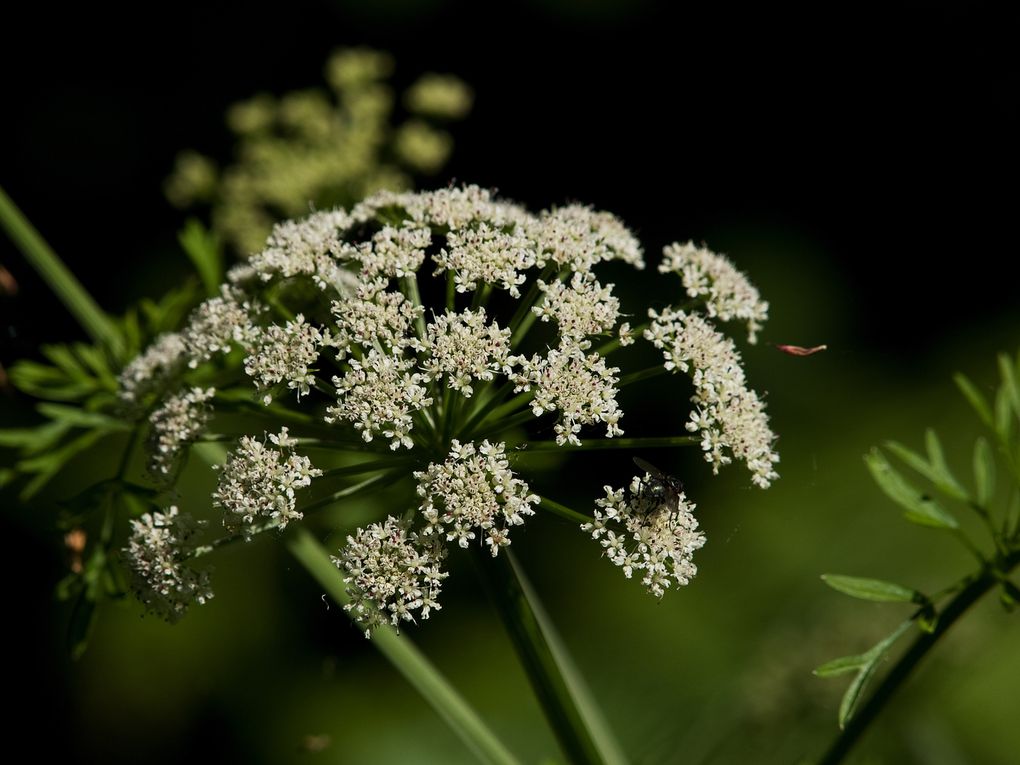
{"points": [[853, 161]]}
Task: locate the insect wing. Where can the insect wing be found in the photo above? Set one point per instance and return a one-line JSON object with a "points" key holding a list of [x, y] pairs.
{"points": [[649, 468]]}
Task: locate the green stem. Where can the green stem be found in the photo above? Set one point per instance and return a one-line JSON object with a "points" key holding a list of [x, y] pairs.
{"points": [[368, 467], [614, 443], [373, 483], [512, 421], [451, 292], [412, 294], [956, 608], [644, 374], [484, 408], [524, 307], [563, 511], [406, 659], [611, 345], [582, 733], [59, 278]]}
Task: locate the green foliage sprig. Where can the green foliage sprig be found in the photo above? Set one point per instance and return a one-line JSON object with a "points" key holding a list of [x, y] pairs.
{"points": [[938, 506]]}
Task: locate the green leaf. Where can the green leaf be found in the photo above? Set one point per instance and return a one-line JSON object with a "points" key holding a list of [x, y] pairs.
{"points": [[920, 508], [1010, 595], [34, 440], [934, 468], [842, 665], [974, 396], [1003, 413], [81, 418], [1009, 382], [83, 616], [874, 657], [203, 248], [984, 472], [46, 466], [872, 589], [944, 477]]}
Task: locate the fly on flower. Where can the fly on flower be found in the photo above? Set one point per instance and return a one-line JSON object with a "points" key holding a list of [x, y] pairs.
{"points": [[668, 487]]}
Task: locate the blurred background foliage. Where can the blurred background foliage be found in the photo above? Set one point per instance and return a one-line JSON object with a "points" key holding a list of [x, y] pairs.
{"points": [[846, 160]]}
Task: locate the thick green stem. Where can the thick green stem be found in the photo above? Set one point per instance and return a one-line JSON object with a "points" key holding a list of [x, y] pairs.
{"points": [[569, 707], [406, 659], [614, 443], [412, 294], [956, 608], [562, 511], [59, 278]]}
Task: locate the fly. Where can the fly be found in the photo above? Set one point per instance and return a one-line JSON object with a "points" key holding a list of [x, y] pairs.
{"points": [[661, 485]]}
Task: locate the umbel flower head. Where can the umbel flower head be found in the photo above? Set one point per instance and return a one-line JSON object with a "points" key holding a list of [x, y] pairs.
{"points": [[411, 344]]}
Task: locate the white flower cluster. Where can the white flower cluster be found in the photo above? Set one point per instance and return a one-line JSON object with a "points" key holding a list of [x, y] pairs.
{"points": [[577, 384], [394, 251], [652, 530], [156, 556], [473, 489], [284, 354], [211, 329], [582, 308], [730, 417], [216, 324], [487, 254], [375, 317], [258, 482], [728, 293], [161, 360], [380, 394], [391, 574], [580, 237], [464, 347], [175, 424]]}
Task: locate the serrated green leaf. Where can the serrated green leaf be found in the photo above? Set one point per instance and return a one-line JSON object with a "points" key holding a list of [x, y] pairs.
{"points": [[65, 361], [98, 363], [842, 665], [872, 589], [203, 249], [984, 472], [46, 466], [80, 418], [34, 440], [920, 508], [43, 381], [874, 656], [975, 398]]}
